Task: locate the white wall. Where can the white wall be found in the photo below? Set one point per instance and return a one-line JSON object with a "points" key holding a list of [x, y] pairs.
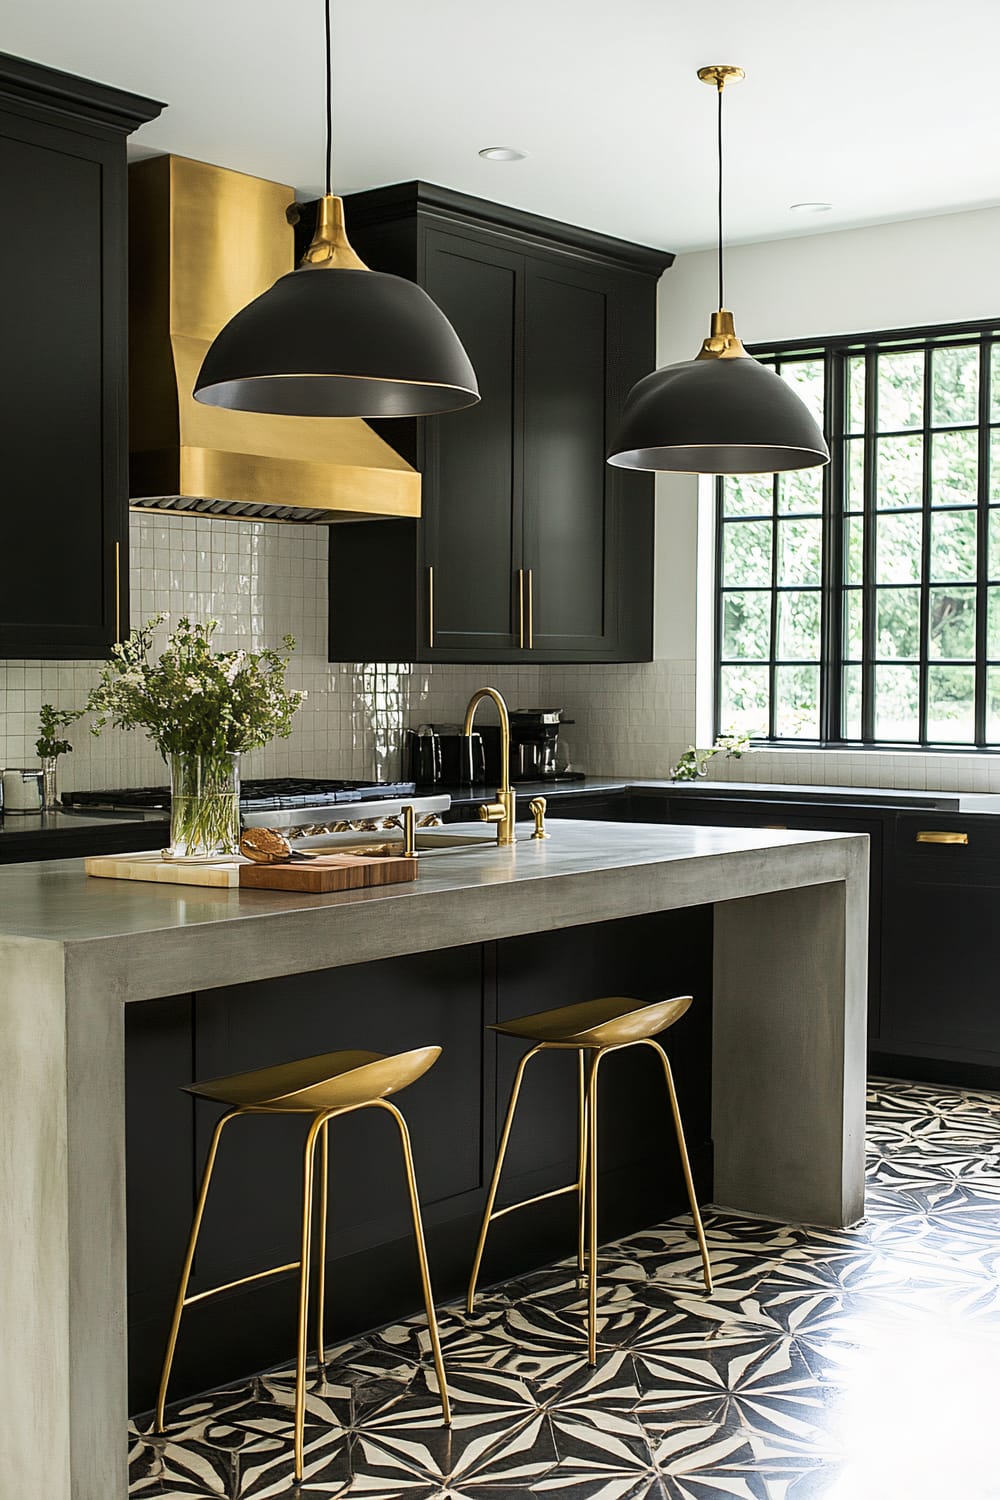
{"points": [[921, 271]]}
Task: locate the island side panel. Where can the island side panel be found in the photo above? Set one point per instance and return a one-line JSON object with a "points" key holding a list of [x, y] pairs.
{"points": [[95, 1124], [36, 1393], [789, 1053]]}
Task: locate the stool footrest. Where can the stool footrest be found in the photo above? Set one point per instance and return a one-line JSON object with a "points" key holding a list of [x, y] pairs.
{"points": [[213, 1291], [498, 1213]]}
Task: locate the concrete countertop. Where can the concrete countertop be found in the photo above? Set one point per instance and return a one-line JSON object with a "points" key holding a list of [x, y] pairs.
{"points": [[140, 939], [788, 1054]]}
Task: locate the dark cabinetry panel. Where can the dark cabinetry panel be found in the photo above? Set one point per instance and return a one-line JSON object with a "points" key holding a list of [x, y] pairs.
{"points": [[62, 163], [941, 1000], [471, 531], [530, 547], [447, 998]]}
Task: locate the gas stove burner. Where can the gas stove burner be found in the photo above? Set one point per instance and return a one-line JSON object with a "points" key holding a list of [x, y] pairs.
{"points": [[259, 795]]}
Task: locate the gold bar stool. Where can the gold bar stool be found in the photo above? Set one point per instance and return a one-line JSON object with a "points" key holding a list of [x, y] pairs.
{"points": [[321, 1088], [598, 1027]]}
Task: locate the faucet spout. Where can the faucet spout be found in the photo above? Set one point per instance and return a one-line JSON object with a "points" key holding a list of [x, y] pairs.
{"points": [[502, 810]]}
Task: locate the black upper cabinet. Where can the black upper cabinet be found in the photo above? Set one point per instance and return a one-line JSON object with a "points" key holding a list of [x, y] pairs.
{"points": [[63, 366], [530, 547]]}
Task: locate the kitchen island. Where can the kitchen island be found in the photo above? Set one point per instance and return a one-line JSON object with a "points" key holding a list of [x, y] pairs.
{"points": [[787, 1060]]}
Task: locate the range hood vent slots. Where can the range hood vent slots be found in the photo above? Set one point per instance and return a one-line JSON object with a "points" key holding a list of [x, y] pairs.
{"points": [[203, 242]]}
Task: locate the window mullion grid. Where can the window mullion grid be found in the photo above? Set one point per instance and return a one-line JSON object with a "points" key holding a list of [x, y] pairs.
{"points": [[831, 673], [720, 598], [925, 552], [982, 535], [772, 671], [868, 555]]}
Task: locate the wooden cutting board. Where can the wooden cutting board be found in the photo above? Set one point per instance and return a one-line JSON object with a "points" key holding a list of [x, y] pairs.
{"points": [[329, 872], [152, 866]]}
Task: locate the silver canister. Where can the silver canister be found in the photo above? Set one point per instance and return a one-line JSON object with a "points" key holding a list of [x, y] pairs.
{"points": [[22, 790]]}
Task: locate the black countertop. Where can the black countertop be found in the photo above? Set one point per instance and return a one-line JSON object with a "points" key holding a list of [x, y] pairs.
{"points": [[62, 835]]}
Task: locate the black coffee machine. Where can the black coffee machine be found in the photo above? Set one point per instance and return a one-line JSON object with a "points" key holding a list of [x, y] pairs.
{"points": [[534, 741], [441, 754]]}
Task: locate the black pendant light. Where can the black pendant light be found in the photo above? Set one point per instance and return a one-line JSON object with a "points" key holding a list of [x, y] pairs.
{"points": [[334, 339], [721, 412]]}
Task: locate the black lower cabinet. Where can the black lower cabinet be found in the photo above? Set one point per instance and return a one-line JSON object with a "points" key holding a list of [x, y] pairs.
{"points": [[454, 1114], [940, 994]]}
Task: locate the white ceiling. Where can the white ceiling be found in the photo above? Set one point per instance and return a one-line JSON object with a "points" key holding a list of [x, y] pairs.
{"points": [[875, 106]]}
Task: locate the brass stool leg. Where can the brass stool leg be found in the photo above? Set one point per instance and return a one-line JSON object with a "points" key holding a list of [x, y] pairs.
{"points": [[581, 1176], [592, 1210], [495, 1183], [686, 1165], [324, 1193], [425, 1275], [206, 1178], [309, 1163]]}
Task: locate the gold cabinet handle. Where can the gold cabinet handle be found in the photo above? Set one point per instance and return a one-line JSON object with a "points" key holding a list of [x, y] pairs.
{"points": [[520, 606], [941, 836], [430, 607], [118, 592], [531, 609]]}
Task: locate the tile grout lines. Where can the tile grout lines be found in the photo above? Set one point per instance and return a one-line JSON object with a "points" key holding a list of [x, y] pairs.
{"points": [[858, 1364]]}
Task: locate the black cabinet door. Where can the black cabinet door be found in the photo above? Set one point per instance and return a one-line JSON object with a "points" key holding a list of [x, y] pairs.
{"points": [[63, 417], [941, 999], [471, 460], [566, 520], [62, 396], [529, 547]]}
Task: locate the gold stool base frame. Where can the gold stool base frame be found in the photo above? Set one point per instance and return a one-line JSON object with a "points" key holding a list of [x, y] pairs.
{"points": [[600, 1027], [320, 1088]]}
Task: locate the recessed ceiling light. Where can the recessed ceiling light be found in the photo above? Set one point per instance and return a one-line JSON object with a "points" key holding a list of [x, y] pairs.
{"points": [[810, 208], [502, 153]]}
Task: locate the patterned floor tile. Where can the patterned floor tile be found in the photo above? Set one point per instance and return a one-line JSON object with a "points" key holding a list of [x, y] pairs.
{"points": [[857, 1364]]}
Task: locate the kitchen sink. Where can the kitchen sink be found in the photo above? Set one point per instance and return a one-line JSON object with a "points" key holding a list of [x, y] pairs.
{"points": [[428, 841]]}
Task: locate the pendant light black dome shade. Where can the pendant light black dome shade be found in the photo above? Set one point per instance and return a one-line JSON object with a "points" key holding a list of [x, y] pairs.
{"points": [[716, 416], [721, 412], [328, 342], [334, 339]]}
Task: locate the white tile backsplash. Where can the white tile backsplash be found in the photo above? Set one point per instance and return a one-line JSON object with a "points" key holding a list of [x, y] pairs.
{"points": [[261, 581]]}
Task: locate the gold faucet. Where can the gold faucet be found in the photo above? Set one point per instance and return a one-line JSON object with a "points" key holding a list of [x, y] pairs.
{"points": [[500, 812]]}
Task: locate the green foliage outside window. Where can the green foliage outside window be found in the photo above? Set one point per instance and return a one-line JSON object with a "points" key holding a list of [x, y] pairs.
{"points": [[862, 603]]}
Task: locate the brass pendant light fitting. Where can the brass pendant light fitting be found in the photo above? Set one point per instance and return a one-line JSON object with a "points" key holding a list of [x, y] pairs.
{"points": [[721, 412], [722, 343], [350, 342]]}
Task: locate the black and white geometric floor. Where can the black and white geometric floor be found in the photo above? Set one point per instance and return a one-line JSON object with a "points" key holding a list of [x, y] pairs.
{"points": [[859, 1364]]}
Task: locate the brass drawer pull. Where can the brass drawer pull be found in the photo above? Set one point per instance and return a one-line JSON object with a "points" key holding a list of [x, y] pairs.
{"points": [[430, 608], [940, 836], [520, 607], [531, 610], [118, 592]]}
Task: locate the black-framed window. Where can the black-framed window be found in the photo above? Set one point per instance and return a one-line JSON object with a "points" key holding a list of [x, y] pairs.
{"points": [[860, 603]]}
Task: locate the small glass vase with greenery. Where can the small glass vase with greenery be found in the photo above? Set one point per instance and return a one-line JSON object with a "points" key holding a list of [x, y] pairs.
{"points": [[49, 746], [203, 709]]}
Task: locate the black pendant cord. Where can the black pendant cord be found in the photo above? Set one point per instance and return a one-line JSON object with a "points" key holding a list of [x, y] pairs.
{"points": [[722, 299], [329, 105]]}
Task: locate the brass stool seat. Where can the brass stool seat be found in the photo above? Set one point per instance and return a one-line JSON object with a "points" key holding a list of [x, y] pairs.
{"points": [[597, 1027], [321, 1088]]}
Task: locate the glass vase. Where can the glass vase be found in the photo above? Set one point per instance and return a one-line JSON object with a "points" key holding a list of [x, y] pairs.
{"points": [[204, 806], [50, 791]]}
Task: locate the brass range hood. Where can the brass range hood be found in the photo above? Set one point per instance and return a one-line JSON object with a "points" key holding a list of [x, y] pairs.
{"points": [[203, 242]]}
